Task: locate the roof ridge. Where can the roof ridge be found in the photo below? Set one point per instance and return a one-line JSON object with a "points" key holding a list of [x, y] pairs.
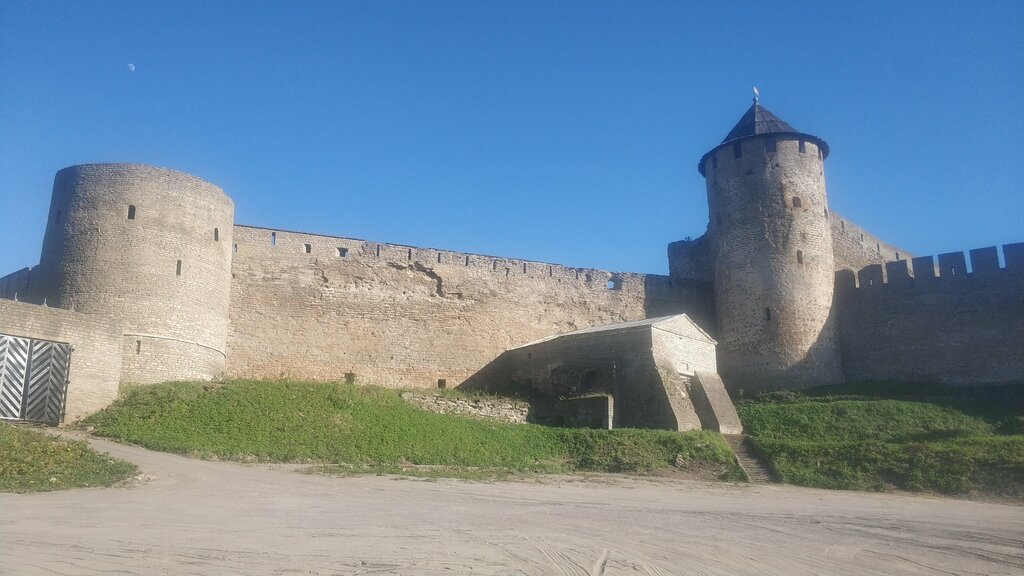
{"points": [[758, 120]]}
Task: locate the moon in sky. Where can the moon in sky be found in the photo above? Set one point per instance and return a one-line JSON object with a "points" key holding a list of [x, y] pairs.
{"points": [[131, 67]]}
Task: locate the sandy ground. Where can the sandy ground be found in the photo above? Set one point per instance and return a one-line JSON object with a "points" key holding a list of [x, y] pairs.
{"points": [[196, 517]]}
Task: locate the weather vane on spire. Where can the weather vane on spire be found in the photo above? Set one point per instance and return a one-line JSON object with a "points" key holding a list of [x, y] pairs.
{"points": [[757, 95]]}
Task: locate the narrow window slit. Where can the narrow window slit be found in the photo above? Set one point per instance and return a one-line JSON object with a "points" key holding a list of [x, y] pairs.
{"points": [[177, 270], [131, 212], [308, 248]]}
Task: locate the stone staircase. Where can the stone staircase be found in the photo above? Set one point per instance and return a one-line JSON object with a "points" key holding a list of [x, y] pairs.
{"points": [[756, 469]]}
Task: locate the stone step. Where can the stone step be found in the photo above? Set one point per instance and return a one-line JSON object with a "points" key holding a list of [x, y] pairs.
{"points": [[755, 468]]}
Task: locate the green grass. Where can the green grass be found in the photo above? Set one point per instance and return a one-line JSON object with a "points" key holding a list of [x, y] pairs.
{"points": [[31, 461], [365, 427], [879, 436]]}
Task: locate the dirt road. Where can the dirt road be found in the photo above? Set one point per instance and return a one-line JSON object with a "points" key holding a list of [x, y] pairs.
{"points": [[196, 517]]}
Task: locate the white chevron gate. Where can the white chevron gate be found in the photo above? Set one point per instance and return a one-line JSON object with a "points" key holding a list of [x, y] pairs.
{"points": [[33, 379]]}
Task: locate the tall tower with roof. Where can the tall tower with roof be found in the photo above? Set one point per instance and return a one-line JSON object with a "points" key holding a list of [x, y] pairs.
{"points": [[771, 248]]}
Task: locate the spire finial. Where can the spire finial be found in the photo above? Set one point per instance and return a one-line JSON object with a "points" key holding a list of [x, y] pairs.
{"points": [[757, 95]]}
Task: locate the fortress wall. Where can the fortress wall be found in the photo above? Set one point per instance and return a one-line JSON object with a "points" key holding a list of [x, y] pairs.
{"points": [[404, 316], [96, 350], [954, 328], [149, 358], [21, 286], [691, 259], [855, 248]]}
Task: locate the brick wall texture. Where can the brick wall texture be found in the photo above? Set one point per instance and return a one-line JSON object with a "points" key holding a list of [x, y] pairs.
{"points": [[321, 307], [96, 350], [773, 263], [151, 247], [955, 328]]}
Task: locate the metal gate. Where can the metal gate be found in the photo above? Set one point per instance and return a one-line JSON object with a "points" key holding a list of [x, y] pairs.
{"points": [[33, 379]]}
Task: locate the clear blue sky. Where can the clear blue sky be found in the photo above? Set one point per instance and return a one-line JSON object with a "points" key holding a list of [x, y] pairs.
{"points": [[566, 132]]}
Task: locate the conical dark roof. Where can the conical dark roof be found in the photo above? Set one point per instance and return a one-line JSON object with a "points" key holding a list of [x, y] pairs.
{"points": [[758, 120]]}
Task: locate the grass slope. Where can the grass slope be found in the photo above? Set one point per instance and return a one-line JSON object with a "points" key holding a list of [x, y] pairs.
{"points": [[368, 426], [31, 461], [888, 435]]}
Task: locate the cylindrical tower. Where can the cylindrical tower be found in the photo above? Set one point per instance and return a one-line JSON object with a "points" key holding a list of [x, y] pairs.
{"points": [[150, 247], [772, 256]]}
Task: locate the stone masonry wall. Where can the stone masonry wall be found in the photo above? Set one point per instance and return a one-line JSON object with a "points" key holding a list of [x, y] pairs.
{"points": [[956, 328], [21, 286], [852, 248], [330, 308], [855, 248], [95, 356], [773, 263], [150, 247], [501, 410]]}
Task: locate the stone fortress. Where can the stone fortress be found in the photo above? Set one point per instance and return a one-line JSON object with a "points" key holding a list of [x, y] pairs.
{"points": [[144, 271]]}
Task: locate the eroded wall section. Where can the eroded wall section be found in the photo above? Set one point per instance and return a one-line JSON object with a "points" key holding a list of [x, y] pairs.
{"points": [[329, 308]]}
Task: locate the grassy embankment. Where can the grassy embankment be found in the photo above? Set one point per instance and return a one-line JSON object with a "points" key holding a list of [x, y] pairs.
{"points": [[370, 429], [31, 461], [882, 436]]}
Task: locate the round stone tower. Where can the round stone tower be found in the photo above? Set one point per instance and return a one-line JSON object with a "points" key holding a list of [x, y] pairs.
{"points": [[771, 246], [151, 248]]}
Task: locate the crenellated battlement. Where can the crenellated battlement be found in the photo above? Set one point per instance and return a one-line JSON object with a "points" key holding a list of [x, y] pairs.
{"points": [[276, 243], [952, 266]]}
